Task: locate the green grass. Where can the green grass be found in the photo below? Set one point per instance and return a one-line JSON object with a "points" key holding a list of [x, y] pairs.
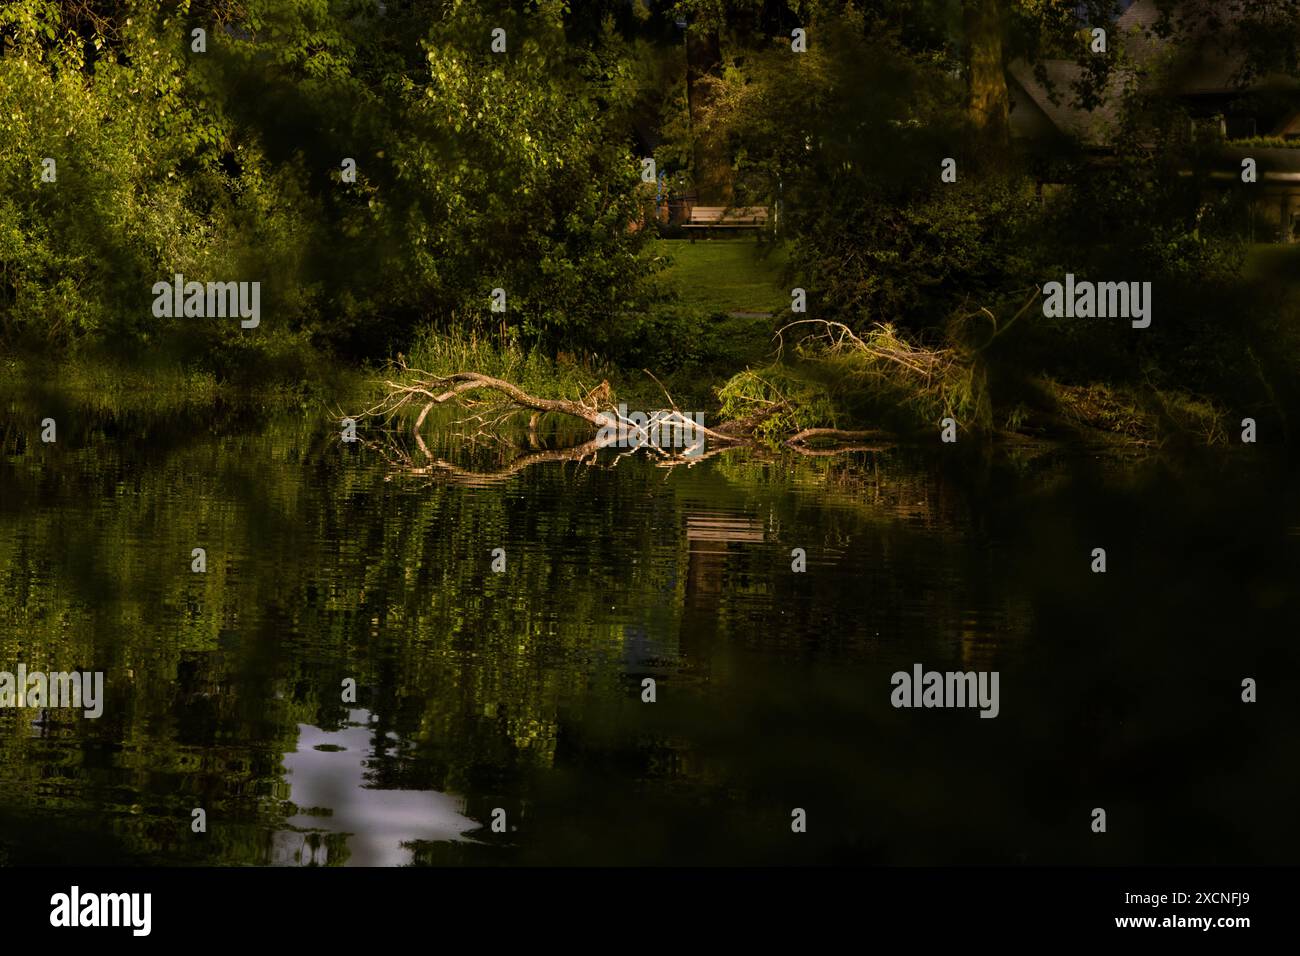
{"points": [[726, 275], [440, 354]]}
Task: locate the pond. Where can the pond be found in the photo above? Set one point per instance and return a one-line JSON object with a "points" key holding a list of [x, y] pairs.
{"points": [[504, 637]]}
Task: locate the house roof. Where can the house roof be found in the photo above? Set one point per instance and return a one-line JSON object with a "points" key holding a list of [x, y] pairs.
{"points": [[1057, 99], [1092, 127], [1136, 32], [1208, 65], [1202, 68], [1142, 14]]}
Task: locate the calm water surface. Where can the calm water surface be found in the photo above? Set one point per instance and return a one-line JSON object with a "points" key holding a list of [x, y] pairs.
{"points": [[520, 691]]}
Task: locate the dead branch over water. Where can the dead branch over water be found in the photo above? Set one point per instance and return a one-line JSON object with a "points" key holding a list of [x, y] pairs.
{"points": [[490, 403]]}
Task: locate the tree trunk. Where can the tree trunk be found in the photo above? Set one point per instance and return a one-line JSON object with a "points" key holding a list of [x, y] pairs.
{"points": [[989, 103], [703, 70]]}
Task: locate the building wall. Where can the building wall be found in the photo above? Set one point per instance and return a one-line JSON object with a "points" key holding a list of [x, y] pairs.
{"points": [[1276, 214]]}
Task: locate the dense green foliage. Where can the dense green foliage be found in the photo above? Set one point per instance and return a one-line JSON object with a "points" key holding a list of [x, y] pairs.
{"points": [[475, 170]]}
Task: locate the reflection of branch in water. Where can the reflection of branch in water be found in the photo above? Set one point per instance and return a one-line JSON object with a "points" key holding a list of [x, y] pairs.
{"points": [[587, 453], [577, 453], [837, 450], [676, 461], [799, 442], [428, 464]]}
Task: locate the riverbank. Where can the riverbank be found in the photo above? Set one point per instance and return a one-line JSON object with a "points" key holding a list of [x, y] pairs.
{"points": [[819, 390], [709, 348], [101, 379]]}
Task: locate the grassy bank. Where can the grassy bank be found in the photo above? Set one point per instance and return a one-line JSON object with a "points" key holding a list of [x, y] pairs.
{"points": [[725, 275], [709, 345]]}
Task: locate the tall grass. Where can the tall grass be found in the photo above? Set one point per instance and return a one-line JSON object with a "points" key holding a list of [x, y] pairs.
{"points": [[438, 354], [566, 376]]}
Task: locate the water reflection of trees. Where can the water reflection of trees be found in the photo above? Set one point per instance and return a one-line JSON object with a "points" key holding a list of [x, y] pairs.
{"points": [[319, 568]]}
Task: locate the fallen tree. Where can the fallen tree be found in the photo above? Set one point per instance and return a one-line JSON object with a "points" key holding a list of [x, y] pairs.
{"points": [[492, 402]]}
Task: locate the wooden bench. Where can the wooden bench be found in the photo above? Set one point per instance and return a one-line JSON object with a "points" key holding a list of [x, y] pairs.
{"points": [[723, 217]]}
